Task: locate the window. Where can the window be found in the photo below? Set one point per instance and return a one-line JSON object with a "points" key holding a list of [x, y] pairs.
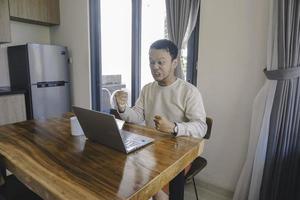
{"points": [[120, 40], [115, 48], [153, 28]]}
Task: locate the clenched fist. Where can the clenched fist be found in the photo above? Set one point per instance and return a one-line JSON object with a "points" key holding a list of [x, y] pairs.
{"points": [[163, 124], [121, 99]]}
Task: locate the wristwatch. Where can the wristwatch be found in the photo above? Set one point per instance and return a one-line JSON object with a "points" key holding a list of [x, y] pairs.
{"points": [[175, 130]]}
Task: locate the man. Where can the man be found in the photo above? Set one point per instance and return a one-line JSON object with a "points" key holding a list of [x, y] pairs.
{"points": [[169, 104]]}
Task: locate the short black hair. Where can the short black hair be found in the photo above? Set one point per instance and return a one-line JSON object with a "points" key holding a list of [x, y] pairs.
{"points": [[166, 45]]}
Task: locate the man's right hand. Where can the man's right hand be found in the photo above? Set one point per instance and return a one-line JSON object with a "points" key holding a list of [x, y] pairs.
{"points": [[121, 99]]}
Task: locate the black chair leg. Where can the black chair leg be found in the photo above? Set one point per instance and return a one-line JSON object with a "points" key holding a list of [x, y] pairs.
{"points": [[195, 188]]}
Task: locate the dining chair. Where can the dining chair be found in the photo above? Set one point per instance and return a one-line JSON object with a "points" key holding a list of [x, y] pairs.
{"points": [[199, 163]]}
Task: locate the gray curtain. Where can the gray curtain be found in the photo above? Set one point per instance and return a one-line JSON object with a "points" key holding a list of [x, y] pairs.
{"points": [[181, 20], [281, 177]]}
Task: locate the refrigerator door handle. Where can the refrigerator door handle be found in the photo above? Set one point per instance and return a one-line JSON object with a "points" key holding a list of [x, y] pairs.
{"points": [[50, 84]]}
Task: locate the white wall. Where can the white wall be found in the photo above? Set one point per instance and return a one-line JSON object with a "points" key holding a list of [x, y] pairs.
{"points": [[232, 55], [73, 32], [21, 33]]}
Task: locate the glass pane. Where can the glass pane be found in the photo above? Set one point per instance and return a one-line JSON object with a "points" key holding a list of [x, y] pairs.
{"points": [[116, 48], [154, 27]]}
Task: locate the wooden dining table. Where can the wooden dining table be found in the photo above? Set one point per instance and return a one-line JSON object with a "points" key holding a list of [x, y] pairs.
{"points": [[44, 156]]}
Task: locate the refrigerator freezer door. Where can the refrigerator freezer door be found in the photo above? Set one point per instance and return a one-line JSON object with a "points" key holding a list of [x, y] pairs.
{"points": [[48, 63], [49, 100]]}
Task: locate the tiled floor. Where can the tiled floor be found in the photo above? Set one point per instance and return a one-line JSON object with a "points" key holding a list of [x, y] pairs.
{"points": [[203, 193]]}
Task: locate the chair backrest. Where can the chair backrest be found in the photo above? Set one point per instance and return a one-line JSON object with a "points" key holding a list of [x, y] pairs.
{"points": [[199, 163], [209, 122]]}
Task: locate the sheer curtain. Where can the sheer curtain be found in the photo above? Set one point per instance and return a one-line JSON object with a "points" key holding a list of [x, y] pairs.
{"points": [[181, 20], [249, 183], [272, 168]]}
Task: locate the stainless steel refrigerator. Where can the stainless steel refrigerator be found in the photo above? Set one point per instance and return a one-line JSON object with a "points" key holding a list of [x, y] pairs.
{"points": [[43, 72]]}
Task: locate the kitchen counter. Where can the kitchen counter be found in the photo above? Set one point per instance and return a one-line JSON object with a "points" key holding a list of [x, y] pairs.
{"points": [[9, 91]]}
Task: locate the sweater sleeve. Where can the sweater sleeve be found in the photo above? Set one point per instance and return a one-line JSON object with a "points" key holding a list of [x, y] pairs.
{"points": [[135, 114], [195, 113]]}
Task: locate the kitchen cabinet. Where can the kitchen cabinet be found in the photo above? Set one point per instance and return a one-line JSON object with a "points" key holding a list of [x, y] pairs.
{"points": [[53, 11], [12, 108], [44, 12], [4, 22]]}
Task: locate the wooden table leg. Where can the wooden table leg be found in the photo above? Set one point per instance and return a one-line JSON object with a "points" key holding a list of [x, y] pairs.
{"points": [[177, 187]]}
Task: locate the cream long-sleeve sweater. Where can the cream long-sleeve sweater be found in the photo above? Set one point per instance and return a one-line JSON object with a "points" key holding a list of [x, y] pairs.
{"points": [[180, 102]]}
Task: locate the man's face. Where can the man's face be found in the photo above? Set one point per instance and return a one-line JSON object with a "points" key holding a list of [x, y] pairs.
{"points": [[162, 66]]}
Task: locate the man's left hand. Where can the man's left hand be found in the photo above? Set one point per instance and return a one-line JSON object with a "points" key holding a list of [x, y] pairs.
{"points": [[163, 124]]}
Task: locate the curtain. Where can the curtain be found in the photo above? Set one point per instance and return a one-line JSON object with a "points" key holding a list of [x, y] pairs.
{"points": [[281, 177], [272, 168], [249, 183], [181, 20]]}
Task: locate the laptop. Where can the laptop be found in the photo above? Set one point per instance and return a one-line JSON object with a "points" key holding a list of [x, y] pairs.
{"points": [[102, 128]]}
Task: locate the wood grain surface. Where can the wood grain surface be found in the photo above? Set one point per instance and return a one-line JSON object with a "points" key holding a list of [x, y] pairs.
{"points": [[44, 12], [56, 165]]}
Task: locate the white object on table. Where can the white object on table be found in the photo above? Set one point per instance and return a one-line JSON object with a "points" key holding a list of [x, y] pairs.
{"points": [[76, 129]]}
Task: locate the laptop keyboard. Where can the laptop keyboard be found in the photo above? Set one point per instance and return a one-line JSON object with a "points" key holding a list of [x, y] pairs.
{"points": [[131, 143], [130, 140]]}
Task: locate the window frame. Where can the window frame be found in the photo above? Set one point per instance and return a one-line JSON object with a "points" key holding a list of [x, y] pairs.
{"points": [[136, 36], [192, 53], [95, 54], [96, 58]]}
